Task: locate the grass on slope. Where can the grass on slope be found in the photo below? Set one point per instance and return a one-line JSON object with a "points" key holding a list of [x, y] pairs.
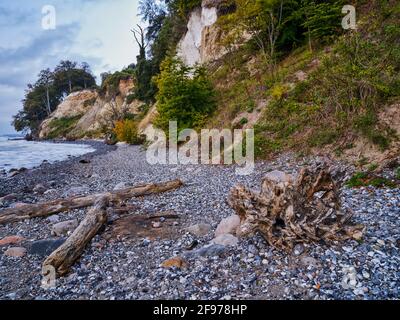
{"points": [[339, 101]]}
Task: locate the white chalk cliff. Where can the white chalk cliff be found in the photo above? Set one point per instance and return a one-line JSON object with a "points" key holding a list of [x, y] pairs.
{"points": [[200, 43]]}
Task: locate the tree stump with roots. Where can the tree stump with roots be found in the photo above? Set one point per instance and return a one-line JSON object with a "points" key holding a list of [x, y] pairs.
{"points": [[291, 210]]}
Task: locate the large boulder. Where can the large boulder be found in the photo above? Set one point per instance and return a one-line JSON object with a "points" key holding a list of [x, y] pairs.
{"points": [[226, 240], [45, 247]]}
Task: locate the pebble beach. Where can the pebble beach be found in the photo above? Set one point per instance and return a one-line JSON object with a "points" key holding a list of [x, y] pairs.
{"points": [[121, 265]]}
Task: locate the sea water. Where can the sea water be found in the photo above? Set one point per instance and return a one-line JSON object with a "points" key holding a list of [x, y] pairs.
{"points": [[16, 154]]}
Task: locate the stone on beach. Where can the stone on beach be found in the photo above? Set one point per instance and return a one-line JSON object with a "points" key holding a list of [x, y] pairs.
{"points": [[11, 240], [39, 188], [210, 250], [15, 252], [62, 228], [121, 186], [45, 247], [228, 226], [76, 191], [9, 197]]}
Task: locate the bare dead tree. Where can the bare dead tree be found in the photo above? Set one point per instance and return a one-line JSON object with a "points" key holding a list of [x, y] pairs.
{"points": [[140, 37], [114, 114]]}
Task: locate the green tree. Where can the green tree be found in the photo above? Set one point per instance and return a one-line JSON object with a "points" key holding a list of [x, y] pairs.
{"points": [[185, 95], [43, 97], [322, 19], [166, 27]]}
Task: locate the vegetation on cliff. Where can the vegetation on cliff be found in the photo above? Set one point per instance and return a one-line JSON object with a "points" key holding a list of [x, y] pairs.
{"points": [[290, 70], [185, 95], [310, 83], [43, 97]]}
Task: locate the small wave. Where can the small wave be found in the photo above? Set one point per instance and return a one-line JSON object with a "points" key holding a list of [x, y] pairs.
{"points": [[16, 154]]}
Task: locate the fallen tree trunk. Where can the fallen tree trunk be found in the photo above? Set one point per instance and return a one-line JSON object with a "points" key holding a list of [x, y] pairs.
{"points": [[28, 211], [291, 210], [65, 256]]}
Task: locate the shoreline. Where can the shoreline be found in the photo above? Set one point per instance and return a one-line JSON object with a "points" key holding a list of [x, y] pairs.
{"points": [[48, 171]]}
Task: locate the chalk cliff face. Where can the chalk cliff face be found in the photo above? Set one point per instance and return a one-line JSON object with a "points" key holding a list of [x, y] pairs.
{"points": [[200, 43], [90, 111], [75, 105]]}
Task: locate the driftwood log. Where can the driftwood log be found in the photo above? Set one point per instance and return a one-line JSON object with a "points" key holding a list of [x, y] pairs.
{"points": [[27, 211], [65, 256], [291, 210]]}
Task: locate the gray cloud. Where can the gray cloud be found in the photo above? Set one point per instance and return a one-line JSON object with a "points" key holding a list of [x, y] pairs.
{"points": [[25, 48]]}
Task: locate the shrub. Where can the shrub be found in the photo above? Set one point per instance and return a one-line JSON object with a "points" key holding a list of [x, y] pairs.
{"points": [[363, 179], [61, 127], [77, 88], [111, 82], [130, 98], [243, 121], [323, 138], [185, 95], [126, 131], [278, 92]]}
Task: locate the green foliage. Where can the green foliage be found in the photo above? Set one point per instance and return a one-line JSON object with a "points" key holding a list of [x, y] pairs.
{"points": [[264, 147], [323, 137], [364, 179], [279, 26], [243, 121], [145, 88], [126, 131], [89, 102], [372, 167], [342, 96], [185, 6], [322, 19], [357, 180], [111, 82], [166, 26], [185, 95], [61, 127], [130, 98]]}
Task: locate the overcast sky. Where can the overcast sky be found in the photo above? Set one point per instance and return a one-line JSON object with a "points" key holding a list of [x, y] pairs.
{"points": [[94, 31]]}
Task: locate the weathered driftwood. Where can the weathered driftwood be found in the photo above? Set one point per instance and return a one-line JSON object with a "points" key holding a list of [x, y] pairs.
{"points": [[291, 210], [65, 256], [28, 211]]}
